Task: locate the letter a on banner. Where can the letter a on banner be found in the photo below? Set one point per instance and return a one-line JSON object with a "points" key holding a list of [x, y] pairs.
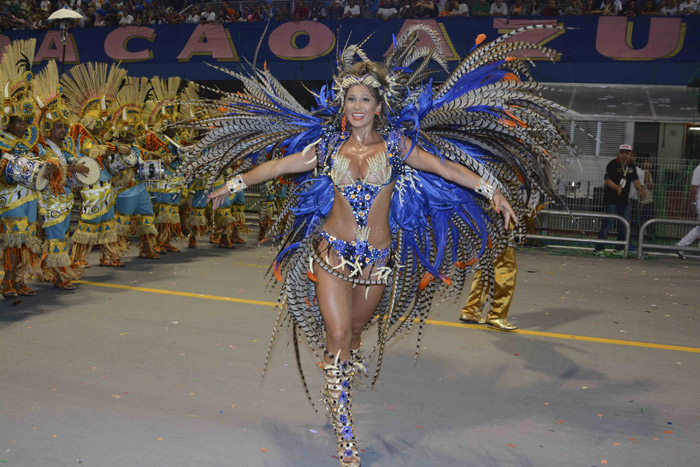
{"points": [[424, 40], [51, 48], [210, 39]]}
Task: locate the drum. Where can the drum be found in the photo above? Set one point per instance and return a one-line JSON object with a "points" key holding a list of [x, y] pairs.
{"points": [[26, 172], [151, 170], [78, 179], [118, 163]]}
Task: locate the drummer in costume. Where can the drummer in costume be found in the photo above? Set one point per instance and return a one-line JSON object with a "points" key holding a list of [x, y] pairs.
{"points": [[223, 221], [21, 172], [133, 202], [403, 186], [162, 145], [56, 202], [90, 89]]}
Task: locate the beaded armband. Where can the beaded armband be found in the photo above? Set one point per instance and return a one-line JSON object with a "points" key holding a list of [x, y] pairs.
{"points": [[484, 189], [236, 184]]}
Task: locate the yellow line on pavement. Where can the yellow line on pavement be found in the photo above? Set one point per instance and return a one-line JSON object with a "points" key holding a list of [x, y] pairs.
{"points": [[180, 294], [554, 335], [551, 335]]}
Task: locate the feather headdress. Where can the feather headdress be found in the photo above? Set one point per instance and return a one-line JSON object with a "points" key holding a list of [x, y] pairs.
{"points": [[162, 107], [49, 98], [90, 89], [16, 77], [127, 108]]}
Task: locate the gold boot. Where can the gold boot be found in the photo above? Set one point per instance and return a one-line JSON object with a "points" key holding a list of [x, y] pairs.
{"points": [[471, 317], [337, 395]]}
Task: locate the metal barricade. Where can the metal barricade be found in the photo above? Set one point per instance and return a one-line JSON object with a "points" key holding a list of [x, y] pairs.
{"points": [[643, 229], [575, 214]]}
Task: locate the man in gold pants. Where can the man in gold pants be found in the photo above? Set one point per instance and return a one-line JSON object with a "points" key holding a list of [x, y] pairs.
{"points": [[505, 272]]}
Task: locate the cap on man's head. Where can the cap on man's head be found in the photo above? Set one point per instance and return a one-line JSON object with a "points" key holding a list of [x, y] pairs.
{"points": [[625, 147]]}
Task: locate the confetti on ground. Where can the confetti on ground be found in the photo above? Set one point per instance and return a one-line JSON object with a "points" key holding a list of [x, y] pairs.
{"points": [[633, 439], [510, 445], [546, 403], [516, 354], [313, 431], [264, 450], [600, 415], [604, 461], [183, 354], [116, 396], [584, 387], [391, 407], [255, 340], [560, 421], [123, 334], [669, 423], [616, 444], [234, 406], [160, 439], [54, 436], [668, 432], [419, 427]]}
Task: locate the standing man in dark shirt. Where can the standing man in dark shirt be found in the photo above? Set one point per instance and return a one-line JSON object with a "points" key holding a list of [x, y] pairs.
{"points": [[620, 174]]}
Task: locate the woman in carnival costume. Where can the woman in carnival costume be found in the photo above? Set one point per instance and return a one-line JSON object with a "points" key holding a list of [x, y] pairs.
{"points": [[402, 186], [59, 149], [90, 89], [20, 246]]}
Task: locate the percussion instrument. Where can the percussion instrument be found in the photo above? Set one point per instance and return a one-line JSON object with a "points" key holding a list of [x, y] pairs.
{"points": [[151, 170], [78, 179], [118, 163], [26, 172]]}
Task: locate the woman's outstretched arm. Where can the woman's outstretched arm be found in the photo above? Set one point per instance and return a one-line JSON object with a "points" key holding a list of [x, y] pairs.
{"points": [[421, 159], [294, 163]]}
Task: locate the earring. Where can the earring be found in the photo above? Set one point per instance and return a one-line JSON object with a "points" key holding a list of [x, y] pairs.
{"points": [[343, 123]]}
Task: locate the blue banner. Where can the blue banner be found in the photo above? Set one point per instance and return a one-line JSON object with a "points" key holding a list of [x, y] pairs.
{"points": [[589, 49]]}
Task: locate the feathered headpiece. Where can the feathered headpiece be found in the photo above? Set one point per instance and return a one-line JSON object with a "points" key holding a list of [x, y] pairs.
{"points": [[90, 89], [127, 109], [162, 107], [49, 98], [393, 79], [16, 74]]}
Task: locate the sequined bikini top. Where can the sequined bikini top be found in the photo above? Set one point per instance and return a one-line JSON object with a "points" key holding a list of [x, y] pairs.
{"points": [[361, 193]]}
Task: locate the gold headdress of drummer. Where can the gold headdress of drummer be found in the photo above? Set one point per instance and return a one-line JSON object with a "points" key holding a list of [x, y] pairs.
{"points": [[51, 108], [162, 107], [90, 90], [17, 78], [127, 123]]}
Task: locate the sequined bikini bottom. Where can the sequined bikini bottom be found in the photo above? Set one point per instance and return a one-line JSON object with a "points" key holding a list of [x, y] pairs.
{"points": [[358, 252]]}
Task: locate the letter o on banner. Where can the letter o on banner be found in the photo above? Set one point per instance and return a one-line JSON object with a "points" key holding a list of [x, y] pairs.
{"points": [[283, 40]]}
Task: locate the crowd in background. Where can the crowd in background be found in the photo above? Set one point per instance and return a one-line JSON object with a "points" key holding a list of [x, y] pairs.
{"points": [[33, 14]]}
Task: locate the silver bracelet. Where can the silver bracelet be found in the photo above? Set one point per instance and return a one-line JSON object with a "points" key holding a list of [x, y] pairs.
{"points": [[236, 184], [484, 189]]}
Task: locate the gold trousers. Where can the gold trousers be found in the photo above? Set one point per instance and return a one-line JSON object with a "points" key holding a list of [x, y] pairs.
{"points": [[506, 271]]}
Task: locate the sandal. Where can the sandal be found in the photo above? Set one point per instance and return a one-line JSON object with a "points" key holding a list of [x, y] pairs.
{"points": [[22, 289], [68, 286], [7, 289]]}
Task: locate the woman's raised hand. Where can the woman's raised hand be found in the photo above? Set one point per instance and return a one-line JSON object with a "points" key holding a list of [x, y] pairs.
{"points": [[217, 197], [502, 206]]}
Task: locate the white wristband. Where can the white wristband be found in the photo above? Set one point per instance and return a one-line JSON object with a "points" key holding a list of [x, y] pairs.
{"points": [[484, 189], [236, 184]]}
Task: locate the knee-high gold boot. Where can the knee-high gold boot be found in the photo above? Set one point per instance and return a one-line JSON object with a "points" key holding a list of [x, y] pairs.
{"points": [[337, 395]]}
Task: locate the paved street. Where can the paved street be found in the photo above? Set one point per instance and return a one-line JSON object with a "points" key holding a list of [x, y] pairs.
{"points": [[159, 364]]}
